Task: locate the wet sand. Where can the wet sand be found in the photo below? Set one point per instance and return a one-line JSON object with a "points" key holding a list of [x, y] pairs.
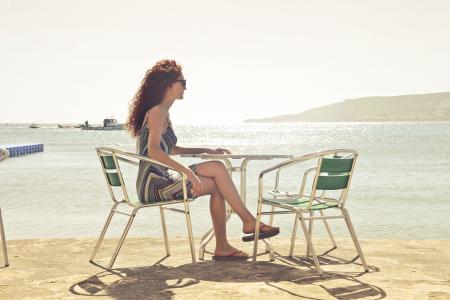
{"points": [[59, 269]]}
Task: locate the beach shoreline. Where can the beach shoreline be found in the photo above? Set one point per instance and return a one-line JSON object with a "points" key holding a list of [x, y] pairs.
{"points": [[59, 268]]}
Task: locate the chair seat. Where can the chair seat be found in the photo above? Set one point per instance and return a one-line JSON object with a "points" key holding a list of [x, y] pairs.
{"points": [[136, 202], [302, 203]]}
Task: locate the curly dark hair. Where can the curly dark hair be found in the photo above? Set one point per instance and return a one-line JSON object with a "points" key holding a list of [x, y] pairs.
{"points": [[153, 87]]}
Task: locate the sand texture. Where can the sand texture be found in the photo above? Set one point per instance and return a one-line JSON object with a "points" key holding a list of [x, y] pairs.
{"points": [[59, 269]]}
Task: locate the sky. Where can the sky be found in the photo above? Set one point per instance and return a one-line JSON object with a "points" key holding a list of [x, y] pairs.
{"points": [[67, 61]]}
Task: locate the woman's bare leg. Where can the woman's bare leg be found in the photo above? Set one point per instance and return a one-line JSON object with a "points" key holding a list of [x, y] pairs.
{"points": [[218, 215], [217, 171]]}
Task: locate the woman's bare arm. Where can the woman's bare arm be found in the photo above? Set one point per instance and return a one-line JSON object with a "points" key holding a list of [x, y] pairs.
{"points": [[176, 150], [188, 150]]}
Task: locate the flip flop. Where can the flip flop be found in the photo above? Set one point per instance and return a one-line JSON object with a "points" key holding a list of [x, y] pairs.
{"points": [[262, 235], [231, 256]]}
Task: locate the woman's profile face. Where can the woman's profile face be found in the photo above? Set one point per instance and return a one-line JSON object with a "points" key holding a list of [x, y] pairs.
{"points": [[179, 87]]}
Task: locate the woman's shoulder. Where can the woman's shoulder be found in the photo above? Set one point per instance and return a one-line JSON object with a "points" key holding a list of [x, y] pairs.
{"points": [[158, 119], [156, 113]]}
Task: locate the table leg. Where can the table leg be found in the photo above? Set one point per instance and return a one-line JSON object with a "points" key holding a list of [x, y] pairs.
{"points": [[230, 172], [243, 171]]}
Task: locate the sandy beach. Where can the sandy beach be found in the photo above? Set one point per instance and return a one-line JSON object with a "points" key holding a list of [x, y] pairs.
{"points": [[59, 269]]}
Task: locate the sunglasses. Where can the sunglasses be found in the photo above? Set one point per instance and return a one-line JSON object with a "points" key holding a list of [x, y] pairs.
{"points": [[182, 81]]}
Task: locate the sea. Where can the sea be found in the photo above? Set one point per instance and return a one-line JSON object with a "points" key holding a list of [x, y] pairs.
{"points": [[400, 188]]}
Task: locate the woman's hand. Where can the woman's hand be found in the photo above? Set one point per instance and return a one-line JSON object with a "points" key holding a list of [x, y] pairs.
{"points": [[197, 186], [219, 151]]}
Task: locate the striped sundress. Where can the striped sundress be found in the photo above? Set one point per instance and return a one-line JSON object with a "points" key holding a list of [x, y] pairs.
{"points": [[154, 182]]}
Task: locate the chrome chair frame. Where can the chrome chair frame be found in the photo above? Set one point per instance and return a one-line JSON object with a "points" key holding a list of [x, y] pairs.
{"points": [[109, 160], [4, 154], [278, 197]]}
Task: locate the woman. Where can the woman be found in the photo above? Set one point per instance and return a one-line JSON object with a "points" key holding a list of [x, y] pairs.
{"points": [[149, 121]]}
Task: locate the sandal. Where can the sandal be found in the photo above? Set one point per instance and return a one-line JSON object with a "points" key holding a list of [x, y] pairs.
{"points": [[262, 234], [231, 256]]}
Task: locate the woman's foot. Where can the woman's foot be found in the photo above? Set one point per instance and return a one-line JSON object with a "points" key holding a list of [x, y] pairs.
{"points": [[249, 228], [237, 255], [265, 231], [229, 253]]}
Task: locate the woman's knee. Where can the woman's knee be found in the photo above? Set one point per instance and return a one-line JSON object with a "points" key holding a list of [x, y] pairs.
{"points": [[210, 168], [219, 166]]}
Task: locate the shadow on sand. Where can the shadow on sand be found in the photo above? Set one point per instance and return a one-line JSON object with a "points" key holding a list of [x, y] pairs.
{"points": [[159, 281]]}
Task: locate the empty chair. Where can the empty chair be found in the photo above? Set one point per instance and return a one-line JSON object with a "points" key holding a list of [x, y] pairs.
{"points": [[111, 161], [324, 186]]}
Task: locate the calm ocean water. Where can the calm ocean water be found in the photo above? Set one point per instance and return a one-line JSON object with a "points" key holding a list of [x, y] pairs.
{"points": [[400, 188]]}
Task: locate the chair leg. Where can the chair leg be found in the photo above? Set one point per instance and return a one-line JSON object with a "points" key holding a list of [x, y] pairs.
{"points": [[164, 228], [269, 248], [204, 241], [122, 239], [2, 236], [328, 230], [271, 216], [310, 228], [309, 242], [258, 221], [102, 234], [189, 226], [354, 238], [294, 235]]}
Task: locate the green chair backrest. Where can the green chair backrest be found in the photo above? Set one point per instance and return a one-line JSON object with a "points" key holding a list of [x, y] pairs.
{"points": [[334, 173], [110, 167], [336, 165]]}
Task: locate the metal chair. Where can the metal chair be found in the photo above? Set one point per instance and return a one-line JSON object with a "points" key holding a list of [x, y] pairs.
{"points": [[331, 173], [111, 160], [4, 154]]}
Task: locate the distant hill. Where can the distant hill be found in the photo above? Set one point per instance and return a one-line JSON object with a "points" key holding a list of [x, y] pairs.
{"points": [[405, 108]]}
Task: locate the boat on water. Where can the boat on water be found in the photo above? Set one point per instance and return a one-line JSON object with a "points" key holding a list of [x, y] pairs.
{"points": [[69, 126], [108, 124], [34, 126]]}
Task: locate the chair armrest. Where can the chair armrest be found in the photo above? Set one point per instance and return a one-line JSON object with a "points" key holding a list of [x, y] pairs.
{"points": [[288, 163], [291, 162], [134, 159], [305, 176], [4, 154], [124, 155], [303, 158]]}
